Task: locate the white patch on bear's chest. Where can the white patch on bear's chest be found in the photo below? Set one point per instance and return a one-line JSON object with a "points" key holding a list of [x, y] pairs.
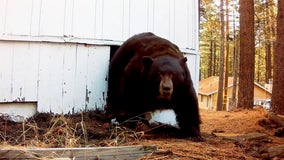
{"points": [[163, 116]]}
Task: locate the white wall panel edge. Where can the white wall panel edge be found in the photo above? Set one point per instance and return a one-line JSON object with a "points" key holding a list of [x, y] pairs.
{"points": [[58, 39]]}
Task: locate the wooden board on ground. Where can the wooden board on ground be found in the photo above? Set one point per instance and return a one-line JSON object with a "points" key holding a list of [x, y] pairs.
{"points": [[100, 153], [242, 137]]}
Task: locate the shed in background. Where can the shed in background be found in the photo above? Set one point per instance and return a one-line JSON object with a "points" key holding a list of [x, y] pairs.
{"points": [[54, 54]]}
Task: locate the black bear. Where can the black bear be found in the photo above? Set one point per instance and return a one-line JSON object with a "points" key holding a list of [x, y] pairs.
{"points": [[148, 73]]}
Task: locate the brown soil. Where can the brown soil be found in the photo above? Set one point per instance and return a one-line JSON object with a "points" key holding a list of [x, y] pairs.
{"points": [[91, 129]]}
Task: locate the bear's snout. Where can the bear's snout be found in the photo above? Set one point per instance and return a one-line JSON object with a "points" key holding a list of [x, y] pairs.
{"points": [[166, 86]]}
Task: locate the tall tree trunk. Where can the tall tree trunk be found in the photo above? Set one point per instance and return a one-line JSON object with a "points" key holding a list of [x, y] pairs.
{"points": [[215, 65], [258, 63], [226, 58], [277, 104], [210, 62], [247, 52], [221, 72], [268, 62], [268, 36], [233, 102]]}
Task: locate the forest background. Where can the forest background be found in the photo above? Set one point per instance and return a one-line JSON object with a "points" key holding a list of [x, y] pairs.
{"points": [[243, 39], [265, 12]]}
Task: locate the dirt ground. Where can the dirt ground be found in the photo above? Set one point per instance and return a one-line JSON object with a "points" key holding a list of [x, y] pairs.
{"points": [[92, 129]]}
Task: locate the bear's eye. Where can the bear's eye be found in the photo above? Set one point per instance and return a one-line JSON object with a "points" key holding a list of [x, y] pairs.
{"points": [[159, 75]]}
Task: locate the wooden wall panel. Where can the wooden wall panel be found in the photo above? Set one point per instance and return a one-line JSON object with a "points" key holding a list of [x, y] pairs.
{"points": [[109, 21]]}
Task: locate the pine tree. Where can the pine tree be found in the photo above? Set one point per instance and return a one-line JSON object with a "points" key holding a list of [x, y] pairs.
{"points": [[247, 51], [277, 104], [222, 56]]}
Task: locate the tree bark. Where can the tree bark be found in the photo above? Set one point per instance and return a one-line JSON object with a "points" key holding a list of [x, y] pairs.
{"points": [[233, 103], [277, 104], [247, 52], [268, 36], [210, 62], [221, 72], [225, 98]]}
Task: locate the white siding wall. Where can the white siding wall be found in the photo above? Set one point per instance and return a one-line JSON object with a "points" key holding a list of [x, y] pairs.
{"points": [[60, 78], [56, 52], [110, 20]]}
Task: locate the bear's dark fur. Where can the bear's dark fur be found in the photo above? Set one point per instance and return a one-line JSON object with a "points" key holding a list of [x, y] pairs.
{"points": [[147, 73]]}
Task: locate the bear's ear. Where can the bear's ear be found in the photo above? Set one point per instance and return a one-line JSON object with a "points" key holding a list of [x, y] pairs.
{"points": [[183, 60], [147, 61]]}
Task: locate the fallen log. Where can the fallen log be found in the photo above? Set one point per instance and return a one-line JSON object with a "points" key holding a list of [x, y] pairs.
{"points": [[275, 118]]}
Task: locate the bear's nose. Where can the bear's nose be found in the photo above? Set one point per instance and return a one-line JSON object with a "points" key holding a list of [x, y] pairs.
{"points": [[166, 88]]}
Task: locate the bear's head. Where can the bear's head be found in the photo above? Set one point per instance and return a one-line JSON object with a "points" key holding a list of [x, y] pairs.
{"points": [[164, 74]]}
